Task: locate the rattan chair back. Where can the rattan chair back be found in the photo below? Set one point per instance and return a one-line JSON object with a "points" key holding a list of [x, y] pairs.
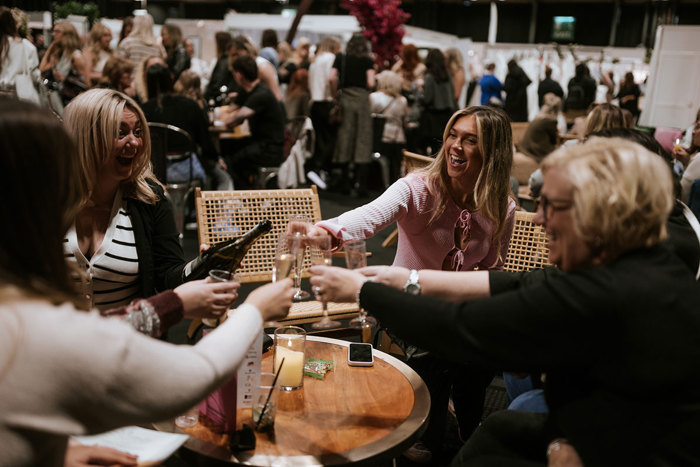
{"points": [[415, 161], [222, 215], [528, 245]]}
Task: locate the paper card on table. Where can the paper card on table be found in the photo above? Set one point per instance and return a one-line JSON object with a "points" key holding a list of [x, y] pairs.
{"points": [[148, 445]]}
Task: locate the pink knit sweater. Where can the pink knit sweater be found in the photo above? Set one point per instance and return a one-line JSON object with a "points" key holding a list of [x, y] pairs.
{"points": [[423, 245]]}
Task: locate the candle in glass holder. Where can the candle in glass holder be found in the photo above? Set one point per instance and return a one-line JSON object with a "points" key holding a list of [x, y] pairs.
{"points": [[289, 345]]}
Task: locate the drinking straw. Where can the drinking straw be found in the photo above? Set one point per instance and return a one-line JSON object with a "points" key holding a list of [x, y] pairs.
{"points": [[269, 394]]}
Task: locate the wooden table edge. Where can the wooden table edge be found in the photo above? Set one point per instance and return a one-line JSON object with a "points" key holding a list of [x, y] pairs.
{"points": [[397, 441]]}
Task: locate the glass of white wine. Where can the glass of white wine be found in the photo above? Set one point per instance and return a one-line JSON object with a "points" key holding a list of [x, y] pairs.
{"points": [[356, 258], [299, 225], [321, 249], [286, 256]]}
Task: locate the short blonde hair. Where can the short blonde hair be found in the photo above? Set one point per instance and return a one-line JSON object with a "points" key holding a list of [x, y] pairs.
{"points": [[390, 83], [622, 194], [93, 118]]}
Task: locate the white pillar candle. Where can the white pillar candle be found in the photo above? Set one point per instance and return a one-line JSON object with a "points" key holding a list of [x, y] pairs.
{"points": [[293, 369]]}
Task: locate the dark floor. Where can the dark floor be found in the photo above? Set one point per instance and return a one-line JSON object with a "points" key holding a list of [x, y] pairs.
{"points": [[333, 204]]}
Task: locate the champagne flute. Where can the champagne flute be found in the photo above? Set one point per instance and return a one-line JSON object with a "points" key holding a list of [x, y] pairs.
{"points": [[285, 261], [356, 258], [322, 254], [299, 225]]}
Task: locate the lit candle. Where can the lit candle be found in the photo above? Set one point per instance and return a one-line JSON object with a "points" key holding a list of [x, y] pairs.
{"points": [[293, 369]]}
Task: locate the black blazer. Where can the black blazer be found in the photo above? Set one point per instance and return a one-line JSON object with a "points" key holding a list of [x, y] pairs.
{"points": [[620, 345]]}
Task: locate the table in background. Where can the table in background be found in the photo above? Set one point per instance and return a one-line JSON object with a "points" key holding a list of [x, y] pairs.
{"points": [[353, 415]]}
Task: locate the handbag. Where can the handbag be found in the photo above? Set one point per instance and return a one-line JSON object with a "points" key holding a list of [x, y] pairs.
{"points": [[72, 85], [24, 87], [335, 116]]}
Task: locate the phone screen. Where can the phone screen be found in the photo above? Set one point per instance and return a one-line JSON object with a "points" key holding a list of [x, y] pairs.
{"points": [[361, 352]]}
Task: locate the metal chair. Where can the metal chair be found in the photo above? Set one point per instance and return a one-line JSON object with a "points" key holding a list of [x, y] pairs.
{"points": [[222, 215], [170, 144]]}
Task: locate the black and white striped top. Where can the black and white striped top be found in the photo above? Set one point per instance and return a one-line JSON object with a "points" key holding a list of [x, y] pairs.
{"points": [[111, 275]]}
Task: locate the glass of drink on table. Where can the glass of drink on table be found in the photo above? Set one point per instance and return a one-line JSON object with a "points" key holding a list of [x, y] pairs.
{"points": [[321, 249], [289, 345]]}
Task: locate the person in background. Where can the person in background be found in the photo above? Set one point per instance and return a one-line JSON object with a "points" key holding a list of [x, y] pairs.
{"points": [[437, 101], [548, 85], [303, 51], [268, 47], [605, 211], [353, 75], [456, 214], [322, 97], [389, 102], [127, 27], [117, 74], [98, 51], [455, 66], [411, 69], [289, 62], [491, 87], [63, 56], [296, 100], [221, 74], [190, 85], [540, 139], [39, 42], [176, 57], [628, 95], [256, 103], [515, 87], [689, 160], [17, 55], [240, 46], [140, 76], [580, 92], [164, 106], [54, 383], [141, 42], [197, 65]]}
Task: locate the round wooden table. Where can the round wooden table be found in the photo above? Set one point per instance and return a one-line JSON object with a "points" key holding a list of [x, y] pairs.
{"points": [[353, 415]]}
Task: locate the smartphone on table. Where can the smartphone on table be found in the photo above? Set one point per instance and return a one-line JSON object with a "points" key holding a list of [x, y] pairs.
{"points": [[360, 355]]}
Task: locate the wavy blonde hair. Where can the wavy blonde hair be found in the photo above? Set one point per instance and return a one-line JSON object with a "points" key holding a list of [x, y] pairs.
{"points": [[492, 189], [70, 41], [93, 118], [603, 117], [95, 39], [622, 194]]}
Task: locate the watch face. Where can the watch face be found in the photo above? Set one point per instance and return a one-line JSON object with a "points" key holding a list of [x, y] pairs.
{"points": [[413, 289]]}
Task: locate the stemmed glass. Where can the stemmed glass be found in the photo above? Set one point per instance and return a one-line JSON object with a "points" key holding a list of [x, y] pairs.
{"points": [[322, 254], [286, 256], [299, 225], [356, 258]]}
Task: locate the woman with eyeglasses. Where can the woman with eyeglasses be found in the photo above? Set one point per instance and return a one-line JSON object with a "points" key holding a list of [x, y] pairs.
{"points": [[616, 333]]}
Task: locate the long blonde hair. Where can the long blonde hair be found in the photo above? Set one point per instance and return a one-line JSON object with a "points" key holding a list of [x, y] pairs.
{"points": [[95, 40], [70, 41], [143, 29], [492, 188], [93, 118]]}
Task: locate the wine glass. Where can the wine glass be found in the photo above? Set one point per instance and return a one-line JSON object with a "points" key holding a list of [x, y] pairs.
{"points": [[299, 225], [356, 258], [220, 275], [321, 248], [285, 261]]}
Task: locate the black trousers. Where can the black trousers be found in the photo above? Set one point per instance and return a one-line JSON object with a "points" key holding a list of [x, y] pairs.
{"points": [[325, 136], [508, 437], [243, 164]]}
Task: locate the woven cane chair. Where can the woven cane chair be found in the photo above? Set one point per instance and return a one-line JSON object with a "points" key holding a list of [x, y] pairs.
{"points": [[222, 215], [528, 245]]}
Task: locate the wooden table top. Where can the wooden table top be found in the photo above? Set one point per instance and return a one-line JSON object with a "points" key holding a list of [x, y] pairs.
{"points": [[354, 414]]}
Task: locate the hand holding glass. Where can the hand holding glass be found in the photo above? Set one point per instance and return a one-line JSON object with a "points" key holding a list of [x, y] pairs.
{"points": [[220, 275]]}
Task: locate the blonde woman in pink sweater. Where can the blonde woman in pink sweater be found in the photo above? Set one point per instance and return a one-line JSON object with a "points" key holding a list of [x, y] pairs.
{"points": [[456, 214]]}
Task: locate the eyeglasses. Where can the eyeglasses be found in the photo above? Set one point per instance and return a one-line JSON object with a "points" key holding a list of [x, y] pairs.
{"points": [[553, 205]]}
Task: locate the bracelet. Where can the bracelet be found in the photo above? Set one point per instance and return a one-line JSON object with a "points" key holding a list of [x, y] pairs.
{"points": [[555, 445], [144, 318]]}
